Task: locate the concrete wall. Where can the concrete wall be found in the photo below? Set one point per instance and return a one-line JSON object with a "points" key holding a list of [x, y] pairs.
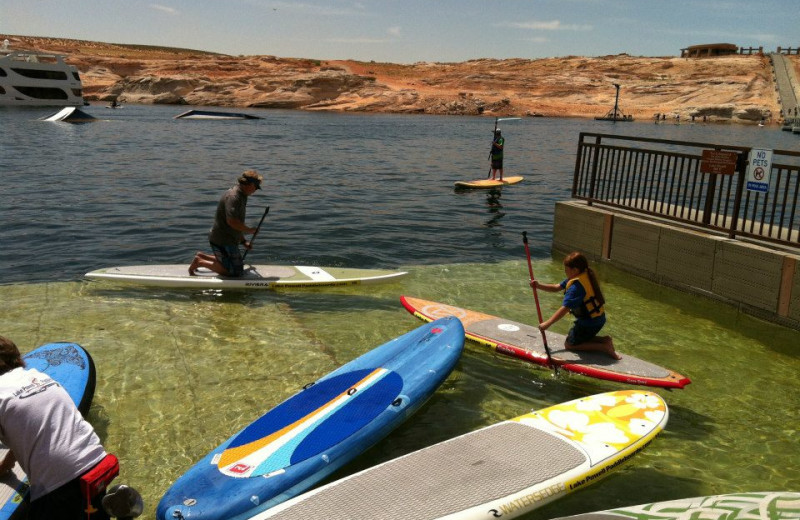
{"points": [[761, 281]]}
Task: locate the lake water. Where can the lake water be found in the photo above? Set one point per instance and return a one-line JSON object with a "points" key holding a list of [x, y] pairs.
{"points": [[180, 371]]}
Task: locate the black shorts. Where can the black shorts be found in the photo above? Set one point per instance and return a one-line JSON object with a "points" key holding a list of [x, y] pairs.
{"points": [[67, 503], [497, 164]]}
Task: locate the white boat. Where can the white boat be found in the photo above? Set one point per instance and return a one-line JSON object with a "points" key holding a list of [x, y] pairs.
{"points": [[29, 78]]}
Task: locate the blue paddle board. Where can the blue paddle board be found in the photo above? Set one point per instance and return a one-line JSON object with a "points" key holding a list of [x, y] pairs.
{"points": [[72, 368], [318, 430]]}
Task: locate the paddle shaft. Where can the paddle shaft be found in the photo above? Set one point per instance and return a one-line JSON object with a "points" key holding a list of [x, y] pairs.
{"points": [[258, 228], [536, 298]]}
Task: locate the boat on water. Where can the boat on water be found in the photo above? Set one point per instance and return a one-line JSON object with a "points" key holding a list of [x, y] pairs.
{"points": [[209, 114], [30, 78], [615, 114]]}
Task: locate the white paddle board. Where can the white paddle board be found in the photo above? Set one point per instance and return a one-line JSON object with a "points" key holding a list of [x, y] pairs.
{"points": [[504, 470], [255, 276]]}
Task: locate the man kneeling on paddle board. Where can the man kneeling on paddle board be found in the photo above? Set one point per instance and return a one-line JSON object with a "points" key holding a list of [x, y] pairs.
{"points": [[229, 228]]}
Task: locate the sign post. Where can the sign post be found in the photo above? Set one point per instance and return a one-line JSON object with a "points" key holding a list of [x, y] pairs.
{"points": [[759, 167]]}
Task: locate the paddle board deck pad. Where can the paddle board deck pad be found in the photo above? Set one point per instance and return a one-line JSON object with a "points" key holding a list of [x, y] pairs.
{"points": [[525, 342], [740, 506], [72, 368], [313, 433], [488, 183], [255, 277], [502, 471]]}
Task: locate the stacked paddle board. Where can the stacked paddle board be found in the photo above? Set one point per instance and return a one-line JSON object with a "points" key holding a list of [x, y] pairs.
{"points": [[524, 342], [72, 368], [484, 184], [504, 470], [739, 506], [255, 276], [316, 431]]}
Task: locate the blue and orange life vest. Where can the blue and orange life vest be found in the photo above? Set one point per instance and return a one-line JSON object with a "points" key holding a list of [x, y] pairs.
{"points": [[591, 307]]}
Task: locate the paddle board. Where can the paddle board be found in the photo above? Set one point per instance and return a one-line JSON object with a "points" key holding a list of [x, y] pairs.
{"points": [[316, 431], [524, 342], [71, 367], [504, 470], [488, 183], [255, 276], [741, 506]]}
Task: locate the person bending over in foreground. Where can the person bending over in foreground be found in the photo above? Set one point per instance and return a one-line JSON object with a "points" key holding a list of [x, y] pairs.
{"points": [[228, 230], [582, 298], [54, 445]]}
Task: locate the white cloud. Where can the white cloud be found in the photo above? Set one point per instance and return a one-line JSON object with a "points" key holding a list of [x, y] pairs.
{"points": [[552, 25], [394, 31], [164, 9]]}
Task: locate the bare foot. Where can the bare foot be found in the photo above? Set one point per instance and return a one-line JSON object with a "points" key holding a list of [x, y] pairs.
{"points": [[610, 349]]}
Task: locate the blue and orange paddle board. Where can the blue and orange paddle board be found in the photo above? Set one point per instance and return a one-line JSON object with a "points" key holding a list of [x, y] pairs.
{"points": [[72, 368], [316, 431]]}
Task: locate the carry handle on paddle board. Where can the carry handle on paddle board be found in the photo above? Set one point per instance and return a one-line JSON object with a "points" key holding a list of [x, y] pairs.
{"points": [[256, 233], [536, 298]]}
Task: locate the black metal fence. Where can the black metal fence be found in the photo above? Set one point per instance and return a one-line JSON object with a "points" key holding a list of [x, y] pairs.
{"points": [[664, 178]]}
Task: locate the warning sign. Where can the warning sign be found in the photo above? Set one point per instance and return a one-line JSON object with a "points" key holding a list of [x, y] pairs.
{"points": [[759, 167], [719, 162]]}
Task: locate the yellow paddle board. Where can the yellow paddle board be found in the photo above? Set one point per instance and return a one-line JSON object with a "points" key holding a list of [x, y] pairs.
{"points": [[488, 183]]}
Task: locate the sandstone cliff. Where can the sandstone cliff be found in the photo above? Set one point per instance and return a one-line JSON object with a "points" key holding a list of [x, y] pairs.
{"points": [[734, 88]]}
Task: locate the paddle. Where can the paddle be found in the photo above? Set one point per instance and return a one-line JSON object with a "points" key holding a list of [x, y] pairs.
{"points": [[256, 233], [538, 308]]}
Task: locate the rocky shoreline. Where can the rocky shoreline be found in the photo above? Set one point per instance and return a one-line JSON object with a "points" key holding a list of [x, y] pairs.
{"points": [[725, 89]]}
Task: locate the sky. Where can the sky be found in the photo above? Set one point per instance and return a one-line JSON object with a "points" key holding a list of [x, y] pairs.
{"points": [[410, 31]]}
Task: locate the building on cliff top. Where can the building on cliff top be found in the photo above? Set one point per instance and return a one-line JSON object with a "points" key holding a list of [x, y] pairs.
{"points": [[709, 50]]}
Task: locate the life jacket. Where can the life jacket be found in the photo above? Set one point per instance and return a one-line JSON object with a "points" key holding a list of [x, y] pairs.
{"points": [[591, 306]]}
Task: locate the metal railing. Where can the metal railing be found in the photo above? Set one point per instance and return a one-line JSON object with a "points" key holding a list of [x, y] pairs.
{"points": [[663, 178]]}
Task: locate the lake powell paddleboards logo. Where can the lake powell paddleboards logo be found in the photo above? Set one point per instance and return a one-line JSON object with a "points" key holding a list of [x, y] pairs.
{"points": [[37, 386]]}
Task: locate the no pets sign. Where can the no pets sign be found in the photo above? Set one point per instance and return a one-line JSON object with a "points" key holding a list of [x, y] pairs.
{"points": [[759, 166]]}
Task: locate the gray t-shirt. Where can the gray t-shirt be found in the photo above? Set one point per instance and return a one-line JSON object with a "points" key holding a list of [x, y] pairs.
{"points": [[233, 204], [45, 431]]}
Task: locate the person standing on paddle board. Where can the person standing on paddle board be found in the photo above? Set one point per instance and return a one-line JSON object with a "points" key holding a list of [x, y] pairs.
{"points": [[229, 228], [584, 299], [45, 432], [496, 154]]}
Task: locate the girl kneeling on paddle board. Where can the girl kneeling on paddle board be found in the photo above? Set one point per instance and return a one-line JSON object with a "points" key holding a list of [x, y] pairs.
{"points": [[584, 299]]}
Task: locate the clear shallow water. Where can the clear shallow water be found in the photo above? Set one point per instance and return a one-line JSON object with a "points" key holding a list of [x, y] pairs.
{"points": [[178, 372]]}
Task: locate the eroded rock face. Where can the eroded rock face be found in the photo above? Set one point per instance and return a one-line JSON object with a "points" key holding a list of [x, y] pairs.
{"points": [[731, 88]]}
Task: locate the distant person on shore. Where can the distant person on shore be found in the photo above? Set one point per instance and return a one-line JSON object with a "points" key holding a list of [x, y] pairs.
{"points": [[584, 299], [229, 228], [496, 154]]}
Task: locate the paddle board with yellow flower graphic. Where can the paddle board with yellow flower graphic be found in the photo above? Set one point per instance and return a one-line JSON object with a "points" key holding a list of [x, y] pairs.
{"points": [[501, 471], [522, 341]]}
